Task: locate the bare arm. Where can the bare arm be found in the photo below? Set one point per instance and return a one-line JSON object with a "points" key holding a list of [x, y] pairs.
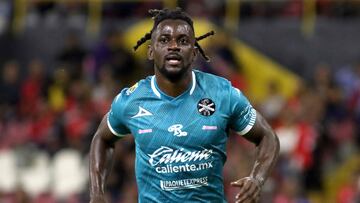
{"points": [[101, 151], [267, 150]]}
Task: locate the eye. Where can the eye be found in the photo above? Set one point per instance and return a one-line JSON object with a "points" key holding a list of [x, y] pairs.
{"points": [[184, 40], [163, 39]]}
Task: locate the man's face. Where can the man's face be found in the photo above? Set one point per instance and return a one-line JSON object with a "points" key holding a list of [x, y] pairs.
{"points": [[172, 48]]}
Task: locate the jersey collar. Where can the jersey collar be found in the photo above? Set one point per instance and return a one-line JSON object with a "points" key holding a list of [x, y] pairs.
{"points": [[157, 92]]}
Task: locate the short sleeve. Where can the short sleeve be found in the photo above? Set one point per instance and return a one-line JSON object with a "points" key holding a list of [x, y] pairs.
{"points": [[115, 119], [243, 115]]}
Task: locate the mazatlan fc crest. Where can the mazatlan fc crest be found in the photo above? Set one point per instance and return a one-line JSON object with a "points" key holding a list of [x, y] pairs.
{"points": [[206, 107]]}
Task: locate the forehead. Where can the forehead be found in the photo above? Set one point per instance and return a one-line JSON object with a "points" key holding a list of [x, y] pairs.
{"points": [[174, 26]]}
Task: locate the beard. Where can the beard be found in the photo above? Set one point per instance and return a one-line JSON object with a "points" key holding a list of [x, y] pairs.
{"points": [[174, 75]]}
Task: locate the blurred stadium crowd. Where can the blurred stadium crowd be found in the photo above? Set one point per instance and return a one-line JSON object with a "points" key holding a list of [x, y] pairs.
{"points": [[49, 113]]}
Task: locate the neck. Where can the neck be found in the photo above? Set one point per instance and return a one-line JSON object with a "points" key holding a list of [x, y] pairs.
{"points": [[171, 88]]}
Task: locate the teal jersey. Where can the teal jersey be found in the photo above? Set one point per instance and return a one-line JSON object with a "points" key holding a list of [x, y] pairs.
{"points": [[181, 142]]}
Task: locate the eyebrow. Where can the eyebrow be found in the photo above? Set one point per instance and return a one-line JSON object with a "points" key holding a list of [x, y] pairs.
{"points": [[168, 35]]}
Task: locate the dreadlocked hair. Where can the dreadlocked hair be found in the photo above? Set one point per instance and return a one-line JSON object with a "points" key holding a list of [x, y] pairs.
{"points": [[178, 13], [202, 52]]}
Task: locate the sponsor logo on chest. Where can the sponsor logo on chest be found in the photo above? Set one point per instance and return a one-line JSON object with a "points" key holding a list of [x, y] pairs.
{"points": [[166, 160], [176, 130], [167, 155]]}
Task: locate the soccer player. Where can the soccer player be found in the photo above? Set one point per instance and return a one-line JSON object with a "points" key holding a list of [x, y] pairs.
{"points": [[180, 119]]}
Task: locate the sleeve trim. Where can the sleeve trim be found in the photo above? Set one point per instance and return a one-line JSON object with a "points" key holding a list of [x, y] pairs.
{"points": [[251, 123], [112, 129]]}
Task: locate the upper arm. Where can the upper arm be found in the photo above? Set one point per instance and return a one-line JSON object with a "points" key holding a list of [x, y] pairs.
{"points": [[104, 133], [113, 125], [242, 114], [115, 119], [260, 129], [245, 120]]}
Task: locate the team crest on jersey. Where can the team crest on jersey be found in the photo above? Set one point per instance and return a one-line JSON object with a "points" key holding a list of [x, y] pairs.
{"points": [[206, 107], [132, 89]]}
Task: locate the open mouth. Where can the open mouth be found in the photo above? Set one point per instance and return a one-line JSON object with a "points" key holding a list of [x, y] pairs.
{"points": [[173, 59]]}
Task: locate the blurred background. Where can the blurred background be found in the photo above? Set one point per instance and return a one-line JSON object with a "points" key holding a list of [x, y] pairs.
{"points": [[62, 62]]}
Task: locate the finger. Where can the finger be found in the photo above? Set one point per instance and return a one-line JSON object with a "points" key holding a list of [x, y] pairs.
{"points": [[252, 195], [240, 194], [243, 193], [254, 190], [250, 191], [243, 188], [243, 201], [237, 183], [240, 182]]}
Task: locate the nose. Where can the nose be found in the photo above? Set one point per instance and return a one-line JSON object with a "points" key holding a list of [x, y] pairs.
{"points": [[173, 46]]}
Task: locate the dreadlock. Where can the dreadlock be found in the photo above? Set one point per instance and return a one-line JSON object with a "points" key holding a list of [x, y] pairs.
{"points": [[161, 15]]}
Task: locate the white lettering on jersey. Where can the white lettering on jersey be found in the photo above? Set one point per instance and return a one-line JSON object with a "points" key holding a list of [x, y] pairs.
{"points": [[142, 112], [167, 155], [177, 130], [169, 185]]}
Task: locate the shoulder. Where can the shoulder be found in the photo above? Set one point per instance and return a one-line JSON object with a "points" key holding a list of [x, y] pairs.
{"points": [[211, 81], [219, 87], [136, 91]]}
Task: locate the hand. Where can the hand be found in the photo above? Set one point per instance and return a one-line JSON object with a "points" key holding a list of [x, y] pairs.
{"points": [[249, 190]]}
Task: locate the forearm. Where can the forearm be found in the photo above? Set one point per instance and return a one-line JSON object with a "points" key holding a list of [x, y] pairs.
{"points": [[266, 153], [100, 162]]}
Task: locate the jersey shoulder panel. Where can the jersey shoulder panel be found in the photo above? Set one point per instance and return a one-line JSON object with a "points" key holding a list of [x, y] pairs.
{"points": [[137, 90], [212, 81], [117, 120]]}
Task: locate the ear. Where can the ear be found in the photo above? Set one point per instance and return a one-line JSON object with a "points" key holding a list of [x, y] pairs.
{"points": [[150, 53], [194, 54], [195, 51]]}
